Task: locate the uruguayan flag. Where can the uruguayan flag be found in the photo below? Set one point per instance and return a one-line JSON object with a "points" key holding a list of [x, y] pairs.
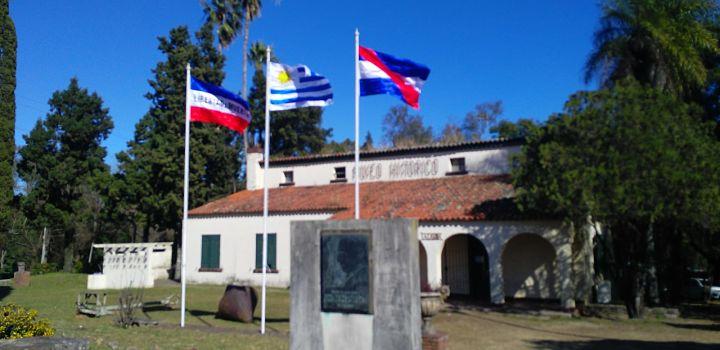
{"points": [[295, 87]]}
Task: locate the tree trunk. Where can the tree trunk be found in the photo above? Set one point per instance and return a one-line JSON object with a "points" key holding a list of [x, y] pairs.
{"points": [[246, 38], [651, 272], [634, 296], [68, 258], [146, 233]]}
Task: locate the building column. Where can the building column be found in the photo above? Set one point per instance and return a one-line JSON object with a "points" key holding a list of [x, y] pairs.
{"points": [[564, 268], [497, 290], [433, 249]]}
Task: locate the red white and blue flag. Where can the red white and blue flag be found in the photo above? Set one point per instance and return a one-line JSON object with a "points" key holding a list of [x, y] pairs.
{"points": [[381, 73], [213, 104]]}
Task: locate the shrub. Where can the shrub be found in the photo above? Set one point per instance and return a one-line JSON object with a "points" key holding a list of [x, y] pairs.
{"points": [[17, 322], [40, 269]]}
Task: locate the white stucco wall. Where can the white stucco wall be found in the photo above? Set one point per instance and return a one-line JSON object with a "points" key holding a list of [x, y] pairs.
{"points": [[237, 247], [494, 235], [489, 161]]}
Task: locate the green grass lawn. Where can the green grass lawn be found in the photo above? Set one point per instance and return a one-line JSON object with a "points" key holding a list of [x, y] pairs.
{"points": [[53, 295]]}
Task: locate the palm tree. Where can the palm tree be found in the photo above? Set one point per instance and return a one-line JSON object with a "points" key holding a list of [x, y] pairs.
{"points": [[662, 43], [258, 50], [230, 16], [227, 16], [251, 10]]}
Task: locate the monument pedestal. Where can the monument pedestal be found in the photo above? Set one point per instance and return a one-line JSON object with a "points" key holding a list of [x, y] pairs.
{"points": [[435, 341], [21, 278], [355, 285]]}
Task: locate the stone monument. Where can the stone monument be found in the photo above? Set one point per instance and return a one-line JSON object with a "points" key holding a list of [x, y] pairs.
{"points": [[355, 285], [21, 278]]}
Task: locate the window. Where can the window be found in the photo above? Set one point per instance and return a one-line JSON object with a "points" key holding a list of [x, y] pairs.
{"points": [[210, 254], [288, 178], [457, 166], [271, 252], [340, 174]]}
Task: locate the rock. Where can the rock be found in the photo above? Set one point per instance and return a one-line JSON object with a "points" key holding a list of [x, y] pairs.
{"points": [[238, 304], [45, 343], [21, 279]]}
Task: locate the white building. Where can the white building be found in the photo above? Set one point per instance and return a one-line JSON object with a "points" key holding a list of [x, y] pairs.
{"points": [[471, 237]]}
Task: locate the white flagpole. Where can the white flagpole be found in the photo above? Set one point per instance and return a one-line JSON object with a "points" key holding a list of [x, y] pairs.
{"points": [[357, 125], [183, 257], [266, 160]]}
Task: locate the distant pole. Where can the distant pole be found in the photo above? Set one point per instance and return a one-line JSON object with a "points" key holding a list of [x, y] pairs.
{"points": [[357, 125], [266, 160], [43, 256], [186, 183]]}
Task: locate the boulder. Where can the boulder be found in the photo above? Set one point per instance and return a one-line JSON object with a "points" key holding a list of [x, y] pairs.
{"points": [[238, 304]]}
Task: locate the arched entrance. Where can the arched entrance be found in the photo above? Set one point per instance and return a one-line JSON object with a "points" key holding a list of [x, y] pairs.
{"points": [[423, 266], [529, 269], [465, 267]]}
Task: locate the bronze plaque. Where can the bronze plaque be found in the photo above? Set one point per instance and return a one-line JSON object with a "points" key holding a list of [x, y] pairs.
{"points": [[345, 272]]}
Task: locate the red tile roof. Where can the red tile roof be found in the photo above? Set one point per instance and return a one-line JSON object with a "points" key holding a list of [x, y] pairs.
{"points": [[455, 198]]}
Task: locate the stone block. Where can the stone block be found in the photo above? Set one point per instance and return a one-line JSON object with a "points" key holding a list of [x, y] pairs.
{"points": [[392, 320], [21, 279], [238, 304]]}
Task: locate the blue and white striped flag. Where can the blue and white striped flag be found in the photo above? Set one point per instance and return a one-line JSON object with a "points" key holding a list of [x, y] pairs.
{"points": [[295, 87]]}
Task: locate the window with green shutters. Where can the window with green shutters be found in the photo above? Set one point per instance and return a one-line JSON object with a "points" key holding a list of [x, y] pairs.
{"points": [[271, 252], [210, 255]]}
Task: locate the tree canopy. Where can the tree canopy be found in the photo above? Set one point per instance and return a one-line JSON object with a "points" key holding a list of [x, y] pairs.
{"points": [[152, 165], [402, 129], [63, 163], [628, 157], [8, 65], [657, 42]]}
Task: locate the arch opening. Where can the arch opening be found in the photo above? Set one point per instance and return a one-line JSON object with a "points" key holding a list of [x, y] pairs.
{"points": [[465, 267], [423, 267], [529, 268]]}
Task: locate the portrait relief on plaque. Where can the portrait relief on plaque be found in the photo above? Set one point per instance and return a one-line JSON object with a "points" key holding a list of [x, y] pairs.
{"points": [[345, 272]]}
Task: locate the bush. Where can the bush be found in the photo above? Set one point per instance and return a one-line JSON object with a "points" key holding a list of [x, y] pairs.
{"points": [[40, 269], [17, 322]]}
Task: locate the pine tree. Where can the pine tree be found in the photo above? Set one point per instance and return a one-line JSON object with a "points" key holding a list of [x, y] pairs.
{"points": [[8, 47], [62, 163], [152, 168]]}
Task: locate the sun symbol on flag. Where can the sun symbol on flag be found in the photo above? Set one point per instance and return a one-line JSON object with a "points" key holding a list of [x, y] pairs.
{"points": [[284, 77]]}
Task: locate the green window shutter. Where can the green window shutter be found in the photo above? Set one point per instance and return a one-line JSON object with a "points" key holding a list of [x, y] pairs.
{"points": [[215, 252], [270, 251], [210, 252], [258, 251], [204, 252]]}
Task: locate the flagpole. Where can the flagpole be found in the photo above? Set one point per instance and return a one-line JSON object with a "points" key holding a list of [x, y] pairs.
{"points": [[357, 125], [183, 257], [266, 160]]}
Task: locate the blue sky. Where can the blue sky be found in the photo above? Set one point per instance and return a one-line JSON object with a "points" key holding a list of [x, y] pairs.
{"points": [[527, 53]]}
